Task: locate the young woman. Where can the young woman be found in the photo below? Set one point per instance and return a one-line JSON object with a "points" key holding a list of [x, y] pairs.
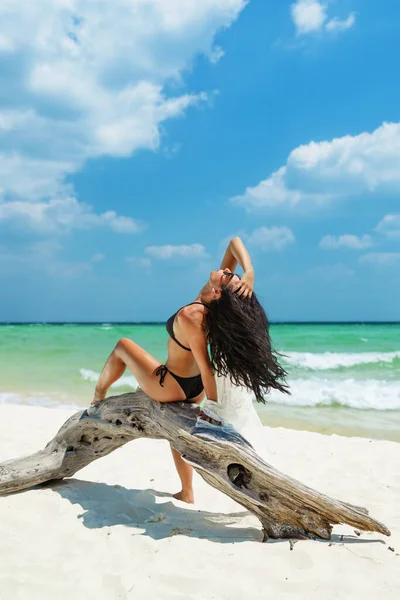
{"points": [[227, 317]]}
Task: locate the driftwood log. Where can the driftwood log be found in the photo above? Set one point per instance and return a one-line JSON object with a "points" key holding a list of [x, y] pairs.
{"points": [[285, 507]]}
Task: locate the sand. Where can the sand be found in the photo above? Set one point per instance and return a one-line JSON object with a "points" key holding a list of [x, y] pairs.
{"points": [[115, 532]]}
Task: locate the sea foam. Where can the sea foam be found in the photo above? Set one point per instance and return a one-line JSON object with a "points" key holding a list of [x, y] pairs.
{"points": [[124, 381], [365, 394], [336, 360], [38, 400]]}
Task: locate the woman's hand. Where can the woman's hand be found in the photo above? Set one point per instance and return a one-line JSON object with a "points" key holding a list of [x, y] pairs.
{"points": [[244, 287]]}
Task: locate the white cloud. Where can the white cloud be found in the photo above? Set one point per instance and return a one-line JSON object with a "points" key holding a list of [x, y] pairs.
{"points": [[336, 24], [319, 172], [216, 54], [381, 258], [167, 252], [62, 216], [311, 16], [308, 15], [389, 226], [29, 178], [88, 79], [346, 241], [273, 238]]}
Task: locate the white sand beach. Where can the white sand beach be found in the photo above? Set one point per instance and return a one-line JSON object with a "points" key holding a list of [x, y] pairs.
{"points": [[115, 532]]}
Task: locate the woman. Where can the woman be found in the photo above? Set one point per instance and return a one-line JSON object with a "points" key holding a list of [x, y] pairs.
{"points": [[227, 316]]}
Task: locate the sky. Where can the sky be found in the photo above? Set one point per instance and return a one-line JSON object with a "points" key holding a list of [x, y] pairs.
{"points": [[138, 137]]}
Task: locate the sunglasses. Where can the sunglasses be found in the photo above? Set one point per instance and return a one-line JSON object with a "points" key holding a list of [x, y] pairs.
{"points": [[230, 275]]}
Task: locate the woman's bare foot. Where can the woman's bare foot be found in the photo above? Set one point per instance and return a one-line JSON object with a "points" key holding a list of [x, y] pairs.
{"points": [[99, 396], [185, 496]]}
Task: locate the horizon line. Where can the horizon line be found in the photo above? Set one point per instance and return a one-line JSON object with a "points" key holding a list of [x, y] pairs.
{"points": [[277, 322]]}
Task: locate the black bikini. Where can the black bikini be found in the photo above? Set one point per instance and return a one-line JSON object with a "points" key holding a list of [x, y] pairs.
{"points": [[192, 386]]}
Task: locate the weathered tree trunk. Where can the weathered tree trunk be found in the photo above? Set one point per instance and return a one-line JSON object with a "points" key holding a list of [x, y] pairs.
{"points": [[285, 507]]}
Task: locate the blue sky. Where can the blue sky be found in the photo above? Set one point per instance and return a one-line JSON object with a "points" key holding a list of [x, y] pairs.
{"points": [[137, 137]]}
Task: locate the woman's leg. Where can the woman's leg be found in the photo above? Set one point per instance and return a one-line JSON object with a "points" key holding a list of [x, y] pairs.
{"points": [[185, 472], [143, 366]]}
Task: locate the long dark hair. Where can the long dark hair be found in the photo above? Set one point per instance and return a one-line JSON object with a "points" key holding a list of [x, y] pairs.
{"points": [[237, 331]]}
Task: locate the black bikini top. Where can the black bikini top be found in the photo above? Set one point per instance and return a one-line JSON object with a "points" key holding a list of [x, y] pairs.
{"points": [[170, 325]]}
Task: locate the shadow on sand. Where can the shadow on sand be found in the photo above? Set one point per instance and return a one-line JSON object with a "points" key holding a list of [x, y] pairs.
{"points": [[108, 505]]}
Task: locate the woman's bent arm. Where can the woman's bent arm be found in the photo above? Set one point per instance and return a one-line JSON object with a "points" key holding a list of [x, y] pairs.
{"points": [[237, 253], [234, 254]]}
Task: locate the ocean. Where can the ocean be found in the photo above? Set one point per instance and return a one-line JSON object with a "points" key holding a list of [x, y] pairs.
{"points": [[344, 378]]}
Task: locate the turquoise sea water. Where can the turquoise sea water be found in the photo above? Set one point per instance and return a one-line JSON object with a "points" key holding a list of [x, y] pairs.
{"points": [[344, 378]]}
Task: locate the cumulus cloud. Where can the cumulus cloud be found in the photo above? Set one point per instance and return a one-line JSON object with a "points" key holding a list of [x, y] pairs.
{"points": [[381, 258], [272, 238], [62, 216], [389, 226], [320, 172], [29, 178], [183, 251], [310, 16], [331, 242], [86, 79]]}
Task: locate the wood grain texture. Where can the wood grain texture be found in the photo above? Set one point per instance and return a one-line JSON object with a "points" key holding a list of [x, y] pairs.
{"points": [[285, 507]]}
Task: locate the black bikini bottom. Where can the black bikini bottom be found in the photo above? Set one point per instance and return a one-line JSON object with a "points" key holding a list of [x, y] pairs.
{"points": [[192, 386]]}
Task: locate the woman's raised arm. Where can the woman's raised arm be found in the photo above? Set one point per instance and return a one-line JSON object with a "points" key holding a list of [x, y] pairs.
{"points": [[234, 254]]}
